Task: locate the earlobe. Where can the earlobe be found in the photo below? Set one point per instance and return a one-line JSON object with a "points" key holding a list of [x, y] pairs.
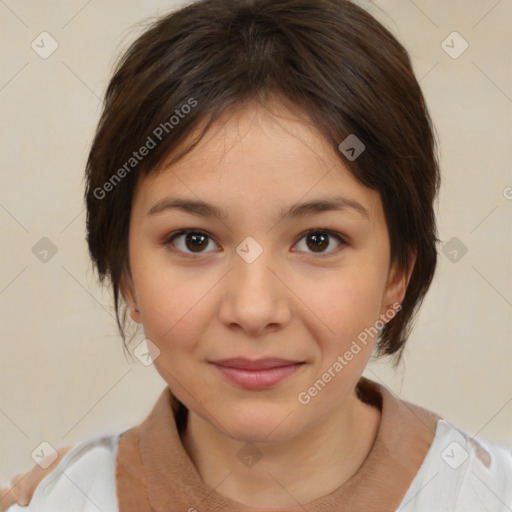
{"points": [[127, 291], [397, 284], [135, 315]]}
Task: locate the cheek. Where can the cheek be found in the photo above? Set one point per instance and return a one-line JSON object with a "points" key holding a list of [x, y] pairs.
{"points": [[345, 302], [171, 308], [174, 300], [348, 306]]}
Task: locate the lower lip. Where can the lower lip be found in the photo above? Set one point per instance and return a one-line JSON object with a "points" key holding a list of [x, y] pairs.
{"points": [[258, 379]]}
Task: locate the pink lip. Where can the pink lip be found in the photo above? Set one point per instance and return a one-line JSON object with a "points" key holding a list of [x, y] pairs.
{"points": [[262, 373]]}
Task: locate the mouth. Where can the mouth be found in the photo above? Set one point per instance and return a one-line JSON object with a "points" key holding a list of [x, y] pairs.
{"points": [[257, 374]]}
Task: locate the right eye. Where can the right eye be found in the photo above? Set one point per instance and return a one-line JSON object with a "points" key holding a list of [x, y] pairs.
{"points": [[193, 240]]}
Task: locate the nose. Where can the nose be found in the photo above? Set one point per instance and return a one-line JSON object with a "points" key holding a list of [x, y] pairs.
{"points": [[255, 299]]}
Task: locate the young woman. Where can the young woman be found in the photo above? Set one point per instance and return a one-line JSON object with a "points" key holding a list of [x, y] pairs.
{"points": [[260, 195]]}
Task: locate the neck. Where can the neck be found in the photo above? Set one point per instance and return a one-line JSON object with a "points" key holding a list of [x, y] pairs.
{"points": [[295, 471]]}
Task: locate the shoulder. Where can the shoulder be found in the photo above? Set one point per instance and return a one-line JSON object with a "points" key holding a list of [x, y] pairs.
{"points": [[84, 480], [461, 474]]}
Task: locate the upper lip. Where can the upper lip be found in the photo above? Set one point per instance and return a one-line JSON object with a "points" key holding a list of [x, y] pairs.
{"points": [[255, 364]]}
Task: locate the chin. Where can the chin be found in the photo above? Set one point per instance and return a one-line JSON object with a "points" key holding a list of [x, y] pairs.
{"points": [[259, 425]]}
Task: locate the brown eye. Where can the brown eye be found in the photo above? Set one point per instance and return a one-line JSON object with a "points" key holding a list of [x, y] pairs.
{"points": [[196, 242], [317, 241], [190, 241]]}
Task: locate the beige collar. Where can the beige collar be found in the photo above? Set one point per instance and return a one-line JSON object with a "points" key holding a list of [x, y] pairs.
{"points": [[155, 474]]}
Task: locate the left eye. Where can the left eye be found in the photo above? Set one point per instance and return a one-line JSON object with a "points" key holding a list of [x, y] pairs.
{"points": [[318, 241], [193, 241]]}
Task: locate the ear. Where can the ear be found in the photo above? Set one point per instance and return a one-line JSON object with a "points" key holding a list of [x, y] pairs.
{"points": [[397, 283], [127, 290]]}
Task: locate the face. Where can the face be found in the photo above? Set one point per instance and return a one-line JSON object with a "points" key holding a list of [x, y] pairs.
{"points": [[251, 274]]}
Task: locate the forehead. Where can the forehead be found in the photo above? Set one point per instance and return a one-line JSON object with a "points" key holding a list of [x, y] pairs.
{"points": [[259, 158]]}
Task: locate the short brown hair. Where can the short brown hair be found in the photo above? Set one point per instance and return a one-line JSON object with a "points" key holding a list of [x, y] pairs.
{"points": [[330, 59]]}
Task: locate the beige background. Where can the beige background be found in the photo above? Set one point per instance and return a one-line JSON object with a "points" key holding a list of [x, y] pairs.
{"points": [[63, 374]]}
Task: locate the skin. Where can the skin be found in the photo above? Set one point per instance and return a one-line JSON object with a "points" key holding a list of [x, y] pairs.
{"points": [[291, 302]]}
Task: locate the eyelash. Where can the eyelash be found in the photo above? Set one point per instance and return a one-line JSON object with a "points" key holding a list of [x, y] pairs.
{"points": [[343, 242]]}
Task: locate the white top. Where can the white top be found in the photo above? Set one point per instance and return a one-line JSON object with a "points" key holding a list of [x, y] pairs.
{"points": [[454, 477]]}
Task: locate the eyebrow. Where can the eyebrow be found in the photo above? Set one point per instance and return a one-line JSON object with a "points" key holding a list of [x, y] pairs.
{"points": [[203, 209]]}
